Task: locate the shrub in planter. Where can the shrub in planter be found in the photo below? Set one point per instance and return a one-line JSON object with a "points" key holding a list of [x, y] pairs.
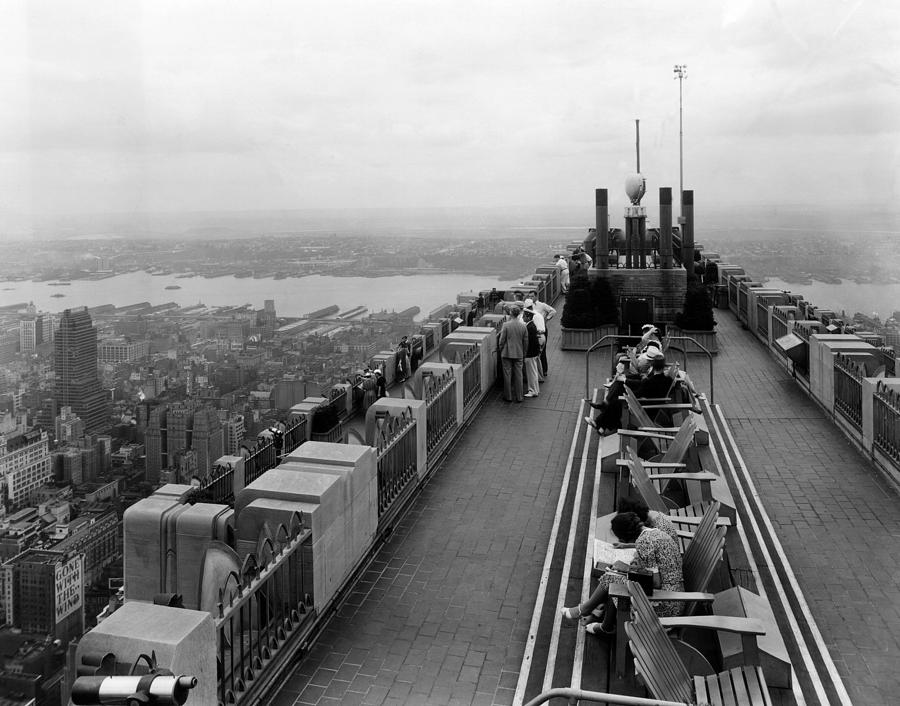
{"points": [[589, 304], [697, 313], [324, 419]]}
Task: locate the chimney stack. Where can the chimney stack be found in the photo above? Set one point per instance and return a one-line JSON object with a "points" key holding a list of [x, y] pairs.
{"points": [[601, 239], [687, 233], [665, 227]]}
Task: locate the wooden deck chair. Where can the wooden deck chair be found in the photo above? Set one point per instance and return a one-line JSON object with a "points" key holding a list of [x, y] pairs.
{"points": [[638, 416], [643, 483], [658, 664], [666, 444]]}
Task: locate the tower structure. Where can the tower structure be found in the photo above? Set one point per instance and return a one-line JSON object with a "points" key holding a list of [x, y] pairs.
{"points": [[75, 364], [647, 269]]}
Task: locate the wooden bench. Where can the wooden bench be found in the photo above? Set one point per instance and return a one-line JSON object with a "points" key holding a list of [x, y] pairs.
{"points": [[637, 416], [773, 654], [698, 564], [658, 664], [701, 488]]}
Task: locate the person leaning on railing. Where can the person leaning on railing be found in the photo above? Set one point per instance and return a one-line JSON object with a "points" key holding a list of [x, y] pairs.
{"points": [[654, 551]]}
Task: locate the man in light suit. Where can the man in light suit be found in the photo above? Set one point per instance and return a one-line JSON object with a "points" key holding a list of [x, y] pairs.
{"points": [[513, 345]]}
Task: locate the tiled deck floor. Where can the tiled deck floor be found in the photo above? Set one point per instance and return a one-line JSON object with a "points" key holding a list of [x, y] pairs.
{"points": [[442, 615], [837, 519]]}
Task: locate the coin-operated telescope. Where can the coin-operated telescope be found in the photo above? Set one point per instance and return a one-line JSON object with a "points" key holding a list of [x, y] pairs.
{"points": [[101, 685], [147, 690]]}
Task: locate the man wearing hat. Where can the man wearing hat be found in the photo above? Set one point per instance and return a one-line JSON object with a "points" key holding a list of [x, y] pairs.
{"points": [[541, 325], [647, 356], [649, 332], [657, 383], [513, 346]]}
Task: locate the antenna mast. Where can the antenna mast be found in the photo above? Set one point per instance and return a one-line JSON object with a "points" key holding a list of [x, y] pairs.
{"points": [[637, 143]]}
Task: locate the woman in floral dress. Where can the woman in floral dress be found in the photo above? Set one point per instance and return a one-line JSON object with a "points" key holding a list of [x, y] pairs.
{"points": [[655, 551]]}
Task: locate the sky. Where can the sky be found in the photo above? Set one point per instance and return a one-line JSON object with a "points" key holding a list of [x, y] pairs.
{"points": [[130, 107]]}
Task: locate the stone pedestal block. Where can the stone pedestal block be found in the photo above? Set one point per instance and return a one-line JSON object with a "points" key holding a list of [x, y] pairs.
{"points": [[396, 408], [330, 562], [486, 340], [149, 547], [184, 642], [386, 361], [822, 350], [195, 528]]}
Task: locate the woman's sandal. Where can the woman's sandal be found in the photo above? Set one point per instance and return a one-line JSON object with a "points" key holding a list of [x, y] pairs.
{"points": [[597, 629]]}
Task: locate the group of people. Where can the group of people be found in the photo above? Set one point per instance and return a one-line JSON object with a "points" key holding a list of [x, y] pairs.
{"points": [[523, 347], [644, 370], [571, 265]]}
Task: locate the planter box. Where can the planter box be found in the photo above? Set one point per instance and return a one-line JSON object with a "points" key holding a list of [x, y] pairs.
{"points": [[335, 435], [580, 339], [707, 339]]}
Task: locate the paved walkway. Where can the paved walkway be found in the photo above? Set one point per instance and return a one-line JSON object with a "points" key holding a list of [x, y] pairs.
{"points": [[836, 517], [442, 615]]}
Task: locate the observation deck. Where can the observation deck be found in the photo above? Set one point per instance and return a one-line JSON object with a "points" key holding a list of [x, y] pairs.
{"points": [[458, 603]]}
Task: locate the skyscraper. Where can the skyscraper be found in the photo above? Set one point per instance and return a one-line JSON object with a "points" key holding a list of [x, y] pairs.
{"points": [[75, 363]]}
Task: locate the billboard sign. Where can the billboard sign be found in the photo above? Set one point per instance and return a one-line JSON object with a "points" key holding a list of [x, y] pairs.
{"points": [[69, 586]]}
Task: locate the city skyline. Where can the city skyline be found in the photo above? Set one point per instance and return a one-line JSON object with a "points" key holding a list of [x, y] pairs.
{"points": [[163, 107]]}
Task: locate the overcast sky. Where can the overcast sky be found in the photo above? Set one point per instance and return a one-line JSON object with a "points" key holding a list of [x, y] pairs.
{"points": [[181, 106]]}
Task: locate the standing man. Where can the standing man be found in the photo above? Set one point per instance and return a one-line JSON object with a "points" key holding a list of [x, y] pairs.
{"points": [[532, 354], [563, 268], [513, 345], [547, 312]]}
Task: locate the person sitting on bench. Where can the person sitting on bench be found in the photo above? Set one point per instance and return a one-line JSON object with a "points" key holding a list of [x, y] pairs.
{"points": [[655, 551]]}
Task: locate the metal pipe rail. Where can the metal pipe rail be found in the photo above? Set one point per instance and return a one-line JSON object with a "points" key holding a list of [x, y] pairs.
{"points": [[598, 343], [576, 695]]}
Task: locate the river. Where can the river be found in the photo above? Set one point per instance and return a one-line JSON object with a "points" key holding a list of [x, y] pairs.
{"points": [[293, 296], [866, 298]]}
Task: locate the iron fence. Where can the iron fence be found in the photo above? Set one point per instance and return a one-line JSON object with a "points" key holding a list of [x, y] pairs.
{"points": [[779, 324], [886, 416], [261, 608], [470, 359], [395, 443], [848, 375], [439, 393]]}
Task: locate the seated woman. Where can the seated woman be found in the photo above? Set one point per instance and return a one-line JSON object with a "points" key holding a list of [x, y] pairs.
{"points": [[650, 518], [655, 551]]}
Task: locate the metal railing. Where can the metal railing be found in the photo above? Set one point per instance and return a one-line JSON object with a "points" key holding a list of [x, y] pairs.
{"points": [[886, 416], [575, 695], [337, 398], [848, 375], [395, 444], [762, 319], [597, 344], [218, 486], [262, 608], [470, 359], [779, 324], [439, 393]]}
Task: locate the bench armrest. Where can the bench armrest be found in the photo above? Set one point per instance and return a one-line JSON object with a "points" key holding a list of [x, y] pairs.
{"points": [[669, 405], [726, 623], [701, 476], [645, 434], [721, 522], [651, 464]]}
